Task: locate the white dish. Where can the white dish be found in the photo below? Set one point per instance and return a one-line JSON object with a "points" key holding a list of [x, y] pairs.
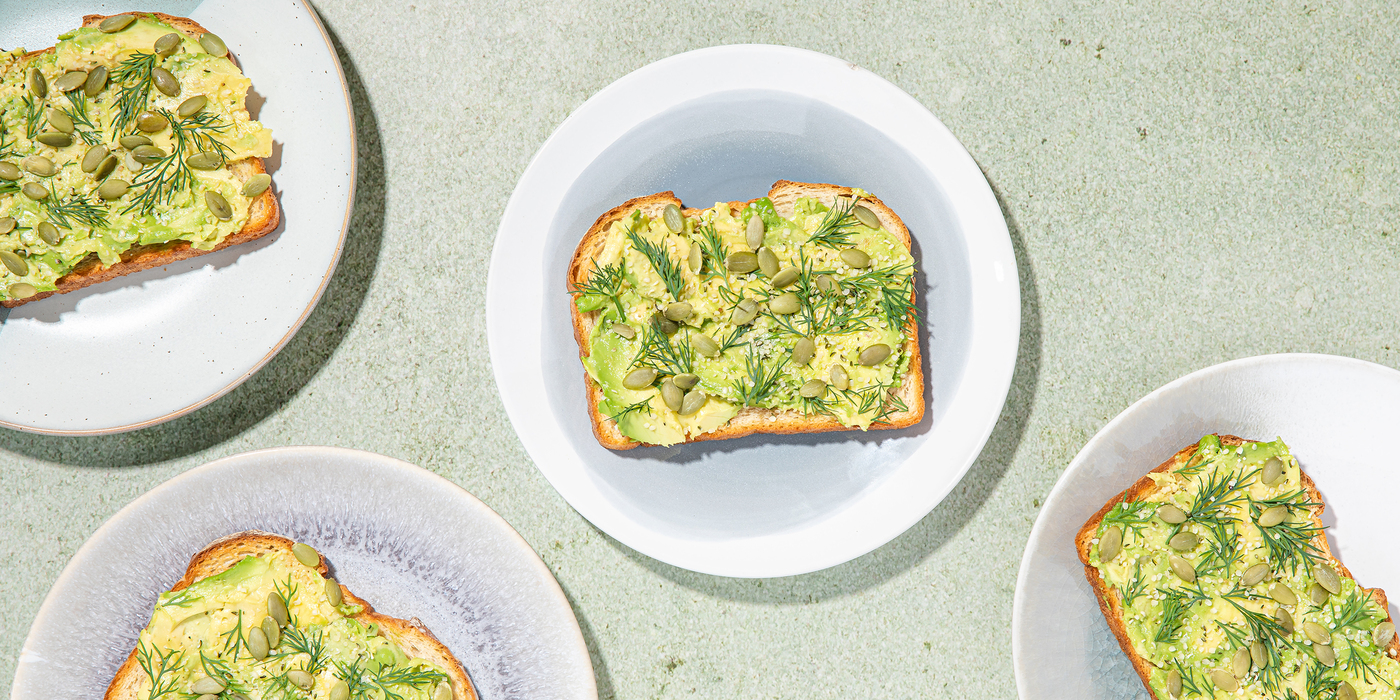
{"points": [[1325, 407], [423, 548], [163, 342], [724, 124]]}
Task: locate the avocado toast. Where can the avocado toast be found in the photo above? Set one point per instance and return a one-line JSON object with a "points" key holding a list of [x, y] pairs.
{"points": [[789, 313], [255, 618], [1214, 574], [124, 147]]}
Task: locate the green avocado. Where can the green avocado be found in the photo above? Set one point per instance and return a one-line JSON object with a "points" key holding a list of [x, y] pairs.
{"points": [[59, 148], [841, 310], [1224, 591]]}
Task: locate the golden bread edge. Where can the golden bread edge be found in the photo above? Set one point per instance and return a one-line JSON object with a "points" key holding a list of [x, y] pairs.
{"points": [[1110, 604], [750, 420], [264, 213]]}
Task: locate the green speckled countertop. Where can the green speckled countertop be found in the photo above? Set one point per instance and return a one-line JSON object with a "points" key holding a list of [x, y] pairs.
{"points": [[1181, 189]]}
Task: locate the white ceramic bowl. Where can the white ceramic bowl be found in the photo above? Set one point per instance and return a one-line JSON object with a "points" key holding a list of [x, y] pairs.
{"points": [[408, 541], [1330, 410], [724, 124]]}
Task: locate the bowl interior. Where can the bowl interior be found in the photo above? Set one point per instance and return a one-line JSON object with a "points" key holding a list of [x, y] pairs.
{"points": [[733, 146]]}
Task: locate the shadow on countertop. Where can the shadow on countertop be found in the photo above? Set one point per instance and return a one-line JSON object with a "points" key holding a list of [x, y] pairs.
{"points": [[935, 529], [287, 373]]}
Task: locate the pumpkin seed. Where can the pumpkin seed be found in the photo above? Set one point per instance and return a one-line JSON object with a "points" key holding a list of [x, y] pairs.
{"points": [[60, 120], [1283, 594], [1224, 680], [150, 122], [167, 44], [14, 263], [839, 378], [34, 191], [210, 696], [686, 381], [57, 139], [41, 166], [1174, 683], [1317, 594], [1317, 633], [257, 643], [277, 609], [803, 351], [1182, 569], [679, 311], [785, 304], [624, 330], [306, 554], [115, 23], [96, 80], [695, 259], [443, 691], [1258, 654], [38, 86], [1241, 662], [204, 160], [855, 258], [671, 216], [705, 345], [134, 140], [1325, 654], [256, 185], [7, 224], [1273, 516], [1284, 620], [866, 217], [1170, 514], [671, 395], [639, 378], [340, 691], [207, 685], [48, 233], [666, 325], [825, 283], [218, 206], [301, 679], [93, 158], [753, 233], [271, 631], [165, 81], [113, 188], [767, 262], [1110, 543], [1184, 541], [1254, 574], [333, 593], [146, 155], [192, 106], [693, 402], [786, 277], [1383, 634], [1328, 579], [742, 262], [22, 290], [9, 171], [812, 389], [744, 313], [70, 81], [1273, 469], [105, 168], [1345, 691], [874, 355], [213, 44]]}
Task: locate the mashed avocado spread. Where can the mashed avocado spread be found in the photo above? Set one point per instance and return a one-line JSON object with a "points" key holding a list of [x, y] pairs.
{"points": [[700, 316], [121, 136], [270, 628], [1225, 593]]}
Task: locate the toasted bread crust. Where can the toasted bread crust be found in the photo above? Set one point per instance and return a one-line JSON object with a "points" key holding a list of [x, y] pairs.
{"points": [[223, 553], [1111, 604], [750, 420], [264, 213]]}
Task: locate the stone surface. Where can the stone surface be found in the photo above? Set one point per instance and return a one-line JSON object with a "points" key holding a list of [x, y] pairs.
{"points": [[1182, 188]]}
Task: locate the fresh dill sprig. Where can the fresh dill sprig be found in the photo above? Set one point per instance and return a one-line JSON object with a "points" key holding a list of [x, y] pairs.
{"points": [[7, 143], [1190, 682], [286, 594], [713, 252], [162, 180], [1175, 605], [1265, 630], [182, 598], [837, 226], [295, 641], [33, 117], [732, 340], [77, 208], [816, 405], [605, 281], [410, 676], [279, 687], [1239, 637], [1130, 514], [218, 669], [820, 313], [877, 398], [134, 77], [353, 674], [1219, 493], [1357, 661], [759, 380], [1195, 468], [1355, 610], [1222, 551], [662, 355], [1319, 686], [895, 287], [1136, 587], [234, 641], [661, 261], [643, 406], [161, 668], [78, 112], [1289, 543]]}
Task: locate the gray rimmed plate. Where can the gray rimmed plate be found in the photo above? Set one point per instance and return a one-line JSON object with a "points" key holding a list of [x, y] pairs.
{"points": [[410, 542]]}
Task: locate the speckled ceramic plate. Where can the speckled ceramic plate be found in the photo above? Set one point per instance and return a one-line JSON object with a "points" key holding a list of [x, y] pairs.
{"points": [[724, 124], [1325, 407], [411, 543], [157, 344]]}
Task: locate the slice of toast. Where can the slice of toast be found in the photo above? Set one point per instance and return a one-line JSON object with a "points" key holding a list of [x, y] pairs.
{"points": [[1110, 598], [751, 419], [264, 213], [130, 682]]}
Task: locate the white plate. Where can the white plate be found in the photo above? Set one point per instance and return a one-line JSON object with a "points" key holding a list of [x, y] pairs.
{"points": [[1328, 409], [724, 124], [148, 347], [410, 542]]}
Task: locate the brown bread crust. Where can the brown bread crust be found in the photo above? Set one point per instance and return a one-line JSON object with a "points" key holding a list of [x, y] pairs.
{"points": [[264, 213], [1111, 604], [750, 420], [221, 554]]}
